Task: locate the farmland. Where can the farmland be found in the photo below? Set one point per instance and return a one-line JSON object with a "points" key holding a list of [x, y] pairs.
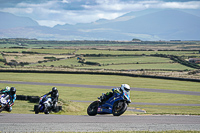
{"points": [[165, 59], [168, 59]]}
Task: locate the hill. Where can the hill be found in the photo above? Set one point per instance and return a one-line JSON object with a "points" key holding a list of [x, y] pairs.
{"points": [[145, 25], [9, 20]]}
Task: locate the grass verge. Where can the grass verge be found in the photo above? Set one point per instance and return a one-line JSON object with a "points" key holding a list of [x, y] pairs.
{"points": [[68, 94]]}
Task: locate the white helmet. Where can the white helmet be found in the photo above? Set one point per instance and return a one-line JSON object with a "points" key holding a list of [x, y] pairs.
{"points": [[125, 87], [7, 88]]}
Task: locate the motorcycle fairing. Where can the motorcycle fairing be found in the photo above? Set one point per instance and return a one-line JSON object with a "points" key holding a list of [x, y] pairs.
{"points": [[43, 100], [3, 100], [107, 107]]}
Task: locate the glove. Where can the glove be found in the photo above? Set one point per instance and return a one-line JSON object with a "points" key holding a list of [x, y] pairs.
{"points": [[116, 90]]}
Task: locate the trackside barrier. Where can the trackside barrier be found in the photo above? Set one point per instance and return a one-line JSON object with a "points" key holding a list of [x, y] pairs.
{"points": [[102, 73], [35, 99], [32, 99]]}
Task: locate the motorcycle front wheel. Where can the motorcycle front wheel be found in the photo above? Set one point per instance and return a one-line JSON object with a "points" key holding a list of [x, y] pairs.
{"points": [[119, 108], [92, 108]]}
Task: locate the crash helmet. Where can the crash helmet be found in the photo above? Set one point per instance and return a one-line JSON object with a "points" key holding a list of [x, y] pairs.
{"points": [[12, 90], [7, 88], [54, 89], [125, 87]]}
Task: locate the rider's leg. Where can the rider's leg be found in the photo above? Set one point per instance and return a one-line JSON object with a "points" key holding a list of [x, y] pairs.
{"points": [[106, 96], [55, 104], [8, 108]]}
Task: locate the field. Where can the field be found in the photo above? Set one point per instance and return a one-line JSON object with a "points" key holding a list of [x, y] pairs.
{"points": [[168, 59], [69, 94], [156, 63]]}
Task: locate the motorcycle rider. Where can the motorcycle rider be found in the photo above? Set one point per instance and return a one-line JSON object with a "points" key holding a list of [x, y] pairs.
{"points": [[54, 96], [108, 95], [11, 91]]}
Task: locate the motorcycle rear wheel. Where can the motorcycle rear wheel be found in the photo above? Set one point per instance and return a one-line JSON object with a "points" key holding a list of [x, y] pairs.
{"points": [[36, 109], [119, 108], [1, 109], [92, 108]]}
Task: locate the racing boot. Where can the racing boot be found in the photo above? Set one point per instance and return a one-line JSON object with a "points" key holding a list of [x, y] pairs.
{"points": [[102, 98]]}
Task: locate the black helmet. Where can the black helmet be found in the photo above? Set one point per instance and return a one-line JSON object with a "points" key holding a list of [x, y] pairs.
{"points": [[54, 89], [12, 90]]}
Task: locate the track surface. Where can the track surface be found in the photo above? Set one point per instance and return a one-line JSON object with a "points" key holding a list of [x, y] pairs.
{"points": [[45, 123], [104, 87], [109, 87]]}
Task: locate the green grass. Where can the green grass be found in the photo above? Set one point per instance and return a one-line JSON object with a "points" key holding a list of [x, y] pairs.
{"points": [[12, 50], [115, 63], [168, 66], [91, 51], [176, 110], [54, 51], [127, 59], [46, 50], [67, 62], [90, 94], [105, 80], [115, 52]]}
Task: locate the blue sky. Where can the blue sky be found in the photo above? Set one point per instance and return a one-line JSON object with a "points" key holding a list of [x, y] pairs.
{"points": [[52, 12]]}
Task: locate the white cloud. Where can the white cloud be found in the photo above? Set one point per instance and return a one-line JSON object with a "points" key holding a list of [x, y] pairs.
{"points": [[180, 5], [49, 23], [55, 12], [65, 1]]}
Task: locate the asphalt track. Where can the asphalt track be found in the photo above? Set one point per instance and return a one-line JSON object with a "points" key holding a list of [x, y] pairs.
{"points": [[109, 87], [53, 123], [103, 87]]}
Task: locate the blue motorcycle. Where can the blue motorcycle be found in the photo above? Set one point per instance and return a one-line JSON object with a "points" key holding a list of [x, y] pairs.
{"points": [[115, 105], [45, 105]]}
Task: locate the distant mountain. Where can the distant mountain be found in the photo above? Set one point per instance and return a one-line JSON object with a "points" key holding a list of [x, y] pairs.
{"points": [[9, 20], [145, 25], [166, 24]]}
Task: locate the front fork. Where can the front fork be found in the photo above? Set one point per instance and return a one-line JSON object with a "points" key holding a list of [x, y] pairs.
{"points": [[120, 104]]}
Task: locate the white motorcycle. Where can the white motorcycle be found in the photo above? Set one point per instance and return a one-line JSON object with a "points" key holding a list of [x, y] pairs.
{"points": [[45, 105], [4, 101]]}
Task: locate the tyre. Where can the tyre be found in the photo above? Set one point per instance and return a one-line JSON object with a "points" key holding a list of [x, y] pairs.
{"points": [[60, 108], [1, 109], [119, 108], [36, 109], [47, 112], [92, 108], [57, 109]]}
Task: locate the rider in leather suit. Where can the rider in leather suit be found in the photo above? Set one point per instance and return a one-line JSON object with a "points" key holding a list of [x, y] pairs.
{"points": [[12, 93], [108, 95], [54, 96]]}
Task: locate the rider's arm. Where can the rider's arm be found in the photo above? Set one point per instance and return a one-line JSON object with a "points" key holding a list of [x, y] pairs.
{"points": [[116, 90], [46, 94], [12, 100], [3, 91]]}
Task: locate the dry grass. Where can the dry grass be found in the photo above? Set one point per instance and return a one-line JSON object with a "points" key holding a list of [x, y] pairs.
{"points": [[30, 58]]}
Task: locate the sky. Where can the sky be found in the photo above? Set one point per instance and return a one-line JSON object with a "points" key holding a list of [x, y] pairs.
{"points": [[52, 12]]}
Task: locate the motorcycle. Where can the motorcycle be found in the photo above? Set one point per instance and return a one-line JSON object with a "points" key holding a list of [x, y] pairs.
{"points": [[115, 105], [4, 101], [45, 105]]}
